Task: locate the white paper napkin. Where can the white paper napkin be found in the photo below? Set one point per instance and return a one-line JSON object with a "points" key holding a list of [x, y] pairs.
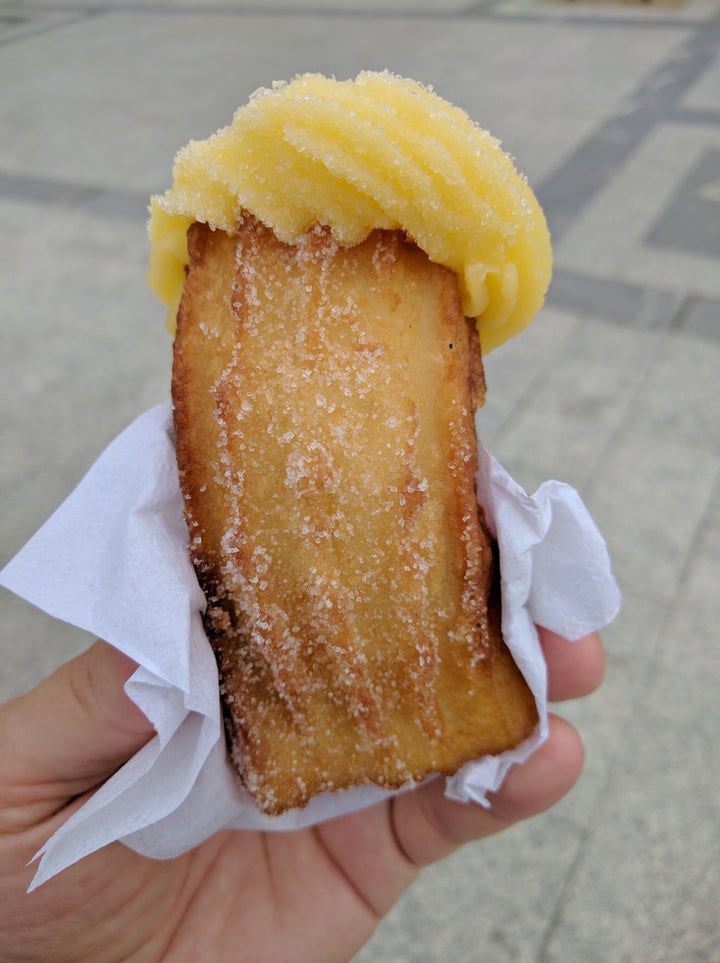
{"points": [[113, 560]]}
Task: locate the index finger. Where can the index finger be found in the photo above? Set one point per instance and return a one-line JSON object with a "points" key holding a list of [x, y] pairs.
{"points": [[67, 735], [574, 668]]}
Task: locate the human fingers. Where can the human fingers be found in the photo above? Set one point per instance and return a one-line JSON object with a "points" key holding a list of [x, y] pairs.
{"points": [[67, 735], [574, 668], [428, 826]]}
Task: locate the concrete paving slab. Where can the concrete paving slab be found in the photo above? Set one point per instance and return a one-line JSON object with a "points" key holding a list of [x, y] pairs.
{"points": [[374, 8], [701, 317], [84, 352], [675, 399], [16, 22], [657, 853], [530, 868], [632, 645], [704, 94], [608, 239], [650, 495], [636, 895], [658, 846], [627, 304], [212, 64], [570, 417], [514, 372], [468, 906], [639, 14], [688, 222]]}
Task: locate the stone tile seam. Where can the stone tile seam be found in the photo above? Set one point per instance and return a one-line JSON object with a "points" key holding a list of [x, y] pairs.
{"points": [[654, 101], [589, 290], [697, 882], [585, 840], [676, 603], [611, 778], [692, 116], [46, 189], [615, 436], [604, 792], [41, 190], [667, 604], [524, 401], [655, 98], [679, 322], [616, 433], [36, 28], [127, 204]]}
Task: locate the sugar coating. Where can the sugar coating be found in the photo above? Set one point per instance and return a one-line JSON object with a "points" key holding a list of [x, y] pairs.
{"points": [[324, 404], [377, 152], [324, 357]]}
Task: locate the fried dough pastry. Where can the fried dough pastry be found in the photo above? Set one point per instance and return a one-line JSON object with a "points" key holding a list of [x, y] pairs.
{"points": [[324, 400]]}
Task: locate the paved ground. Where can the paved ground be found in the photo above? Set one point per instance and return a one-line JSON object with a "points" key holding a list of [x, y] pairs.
{"points": [[614, 114]]}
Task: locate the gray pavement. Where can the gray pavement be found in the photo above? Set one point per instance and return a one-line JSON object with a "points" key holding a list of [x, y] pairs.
{"points": [[613, 111]]}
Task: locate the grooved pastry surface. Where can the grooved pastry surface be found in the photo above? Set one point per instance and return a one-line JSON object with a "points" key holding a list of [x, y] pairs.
{"points": [[324, 400]]}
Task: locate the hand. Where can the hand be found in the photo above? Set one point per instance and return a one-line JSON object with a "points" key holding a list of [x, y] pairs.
{"points": [[313, 895]]}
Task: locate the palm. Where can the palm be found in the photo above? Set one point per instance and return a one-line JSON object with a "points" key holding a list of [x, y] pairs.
{"points": [[314, 895], [267, 893]]}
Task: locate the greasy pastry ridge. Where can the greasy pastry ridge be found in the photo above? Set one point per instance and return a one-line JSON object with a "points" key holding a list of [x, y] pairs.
{"points": [[324, 402], [376, 152]]}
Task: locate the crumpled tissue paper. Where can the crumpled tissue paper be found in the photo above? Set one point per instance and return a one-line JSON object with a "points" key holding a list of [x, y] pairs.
{"points": [[113, 560]]}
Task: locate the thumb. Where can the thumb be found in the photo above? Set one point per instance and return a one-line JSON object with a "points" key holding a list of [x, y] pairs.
{"points": [[67, 735]]}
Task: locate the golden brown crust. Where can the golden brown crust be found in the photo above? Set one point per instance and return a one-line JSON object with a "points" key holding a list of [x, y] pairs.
{"points": [[324, 401]]}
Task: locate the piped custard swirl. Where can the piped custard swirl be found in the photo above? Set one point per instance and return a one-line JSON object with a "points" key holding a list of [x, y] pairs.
{"points": [[354, 156]]}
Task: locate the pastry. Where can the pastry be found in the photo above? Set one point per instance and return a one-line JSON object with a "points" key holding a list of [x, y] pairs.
{"points": [[326, 371]]}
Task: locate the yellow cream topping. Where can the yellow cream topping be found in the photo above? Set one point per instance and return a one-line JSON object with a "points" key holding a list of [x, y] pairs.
{"points": [[377, 152]]}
